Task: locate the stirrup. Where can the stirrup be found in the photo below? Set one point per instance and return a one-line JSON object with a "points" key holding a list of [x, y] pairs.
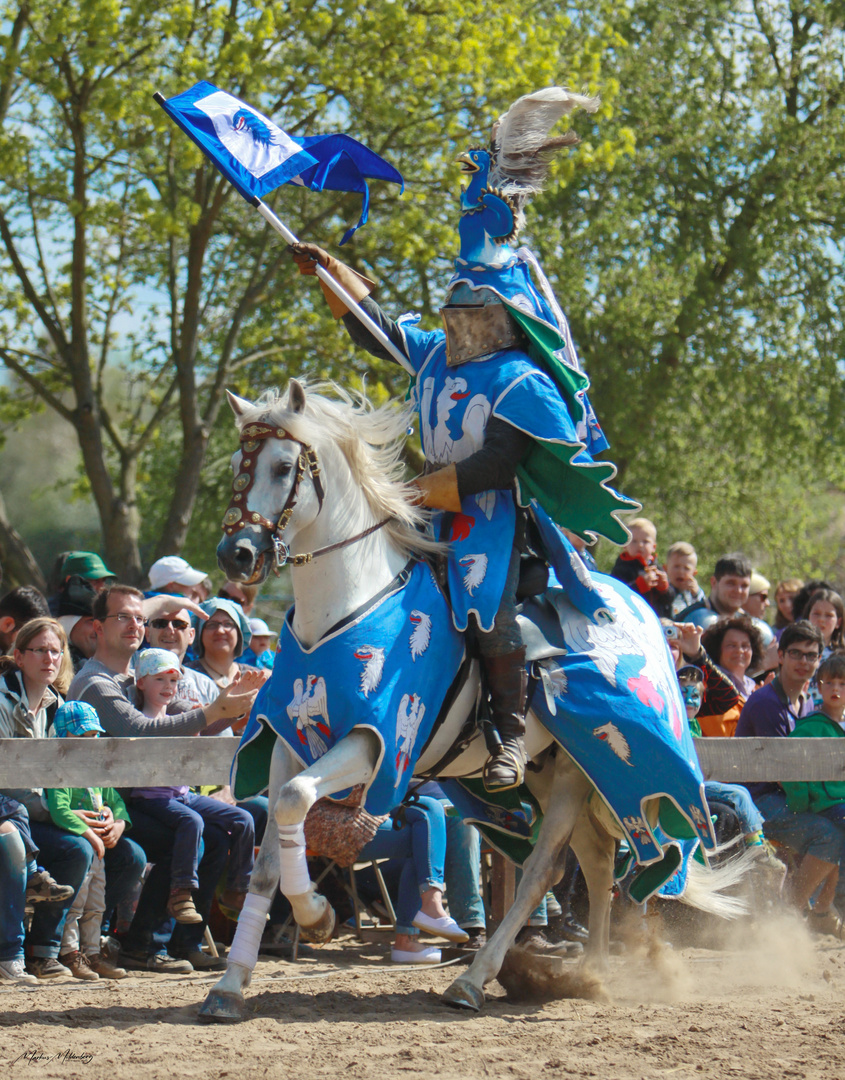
{"points": [[505, 756]]}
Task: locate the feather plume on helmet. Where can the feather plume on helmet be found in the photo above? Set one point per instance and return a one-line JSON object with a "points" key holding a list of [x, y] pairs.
{"points": [[520, 147]]}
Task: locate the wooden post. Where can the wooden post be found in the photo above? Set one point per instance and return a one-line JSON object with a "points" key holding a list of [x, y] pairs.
{"points": [[502, 888]]}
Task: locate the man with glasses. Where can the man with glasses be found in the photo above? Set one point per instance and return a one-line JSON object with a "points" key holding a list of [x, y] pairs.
{"points": [[106, 682], [771, 712]]}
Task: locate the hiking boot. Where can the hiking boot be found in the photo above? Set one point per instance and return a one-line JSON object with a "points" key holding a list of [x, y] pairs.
{"points": [[203, 961], [477, 939], [43, 889], [138, 960], [533, 939], [825, 922], [181, 907], [15, 971], [104, 968], [45, 967], [77, 964]]}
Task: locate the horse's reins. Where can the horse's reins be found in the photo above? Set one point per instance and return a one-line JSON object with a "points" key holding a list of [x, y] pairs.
{"points": [[239, 516]]}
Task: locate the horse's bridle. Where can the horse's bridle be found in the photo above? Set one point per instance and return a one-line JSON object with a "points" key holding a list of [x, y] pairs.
{"points": [[239, 516]]}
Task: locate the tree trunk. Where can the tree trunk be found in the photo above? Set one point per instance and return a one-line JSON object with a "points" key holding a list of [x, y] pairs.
{"points": [[18, 563]]}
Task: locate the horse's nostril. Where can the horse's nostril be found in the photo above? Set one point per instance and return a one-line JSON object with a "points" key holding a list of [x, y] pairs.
{"points": [[243, 556]]}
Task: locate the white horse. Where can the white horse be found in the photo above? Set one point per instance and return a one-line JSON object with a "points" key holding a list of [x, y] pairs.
{"points": [[327, 475]]}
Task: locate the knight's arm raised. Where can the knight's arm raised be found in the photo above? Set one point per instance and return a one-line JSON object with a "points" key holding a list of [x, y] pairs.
{"points": [[307, 257]]}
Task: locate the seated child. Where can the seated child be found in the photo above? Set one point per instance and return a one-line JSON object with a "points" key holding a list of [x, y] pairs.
{"points": [[41, 888], [681, 568], [156, 678], [637, 566], [737, 797], [80, 948]]}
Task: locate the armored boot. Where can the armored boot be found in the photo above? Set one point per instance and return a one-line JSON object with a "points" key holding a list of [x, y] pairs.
{"points": [[507, 681]]}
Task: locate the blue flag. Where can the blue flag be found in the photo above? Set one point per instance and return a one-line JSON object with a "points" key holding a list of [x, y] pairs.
{"points": [[256, 156]]}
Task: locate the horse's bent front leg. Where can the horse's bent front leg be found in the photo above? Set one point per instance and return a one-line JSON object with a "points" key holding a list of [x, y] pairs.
{"points": [[281, 861], [225, 1001], [594, 848], [570, 790], [350, 762]]}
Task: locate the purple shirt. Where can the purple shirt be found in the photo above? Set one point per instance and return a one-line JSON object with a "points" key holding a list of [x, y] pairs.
{"points": [[768, 714]]}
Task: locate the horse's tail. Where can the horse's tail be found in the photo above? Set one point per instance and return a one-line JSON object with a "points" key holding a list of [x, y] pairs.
{"points": [[706, 886]]}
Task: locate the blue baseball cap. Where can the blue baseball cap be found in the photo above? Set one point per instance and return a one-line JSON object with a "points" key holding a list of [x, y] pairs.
{"points": [[75, 718]]}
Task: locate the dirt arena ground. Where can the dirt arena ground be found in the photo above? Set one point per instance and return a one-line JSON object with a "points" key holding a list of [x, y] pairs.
{"points": [[771, 1006]]}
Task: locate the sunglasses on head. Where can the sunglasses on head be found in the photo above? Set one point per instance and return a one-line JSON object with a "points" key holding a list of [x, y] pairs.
{"points": [[162, 624]]}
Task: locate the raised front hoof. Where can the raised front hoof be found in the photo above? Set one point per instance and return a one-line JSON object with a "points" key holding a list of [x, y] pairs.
{"points": [[463, 995], [222, 1007], [321, 931]]}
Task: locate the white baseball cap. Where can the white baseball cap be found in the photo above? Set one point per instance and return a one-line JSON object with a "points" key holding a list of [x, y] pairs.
{"points": [[260, 627], [172, 568], [156, 661]]}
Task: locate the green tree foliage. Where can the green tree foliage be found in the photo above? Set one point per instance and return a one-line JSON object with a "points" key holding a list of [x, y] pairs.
{"points": [[703, 275], [124, 248]]}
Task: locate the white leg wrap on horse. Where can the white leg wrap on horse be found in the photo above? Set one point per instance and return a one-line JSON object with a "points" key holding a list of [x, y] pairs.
{"points": [[293, 865], [251, 923]]}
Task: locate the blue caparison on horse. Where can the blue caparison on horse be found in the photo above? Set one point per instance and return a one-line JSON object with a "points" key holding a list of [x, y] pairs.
{"points": [[372, 684]]}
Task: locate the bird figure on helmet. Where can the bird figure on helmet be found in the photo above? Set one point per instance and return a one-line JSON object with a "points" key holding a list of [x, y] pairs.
{"points": [[502, 400]]}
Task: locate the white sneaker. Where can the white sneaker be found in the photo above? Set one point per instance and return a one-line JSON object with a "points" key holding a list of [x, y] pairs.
{"points": [[14, 971]]}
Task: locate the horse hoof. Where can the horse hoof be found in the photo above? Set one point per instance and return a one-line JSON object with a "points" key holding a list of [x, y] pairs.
{"points": [[321, 931], [463, 995], [223, 1007]]}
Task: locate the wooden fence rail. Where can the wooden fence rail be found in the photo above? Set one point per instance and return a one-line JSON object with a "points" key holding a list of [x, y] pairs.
{"points": [[160, 762]]}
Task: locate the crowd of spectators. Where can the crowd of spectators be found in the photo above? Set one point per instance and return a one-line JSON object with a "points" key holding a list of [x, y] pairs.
{"points": [[753, 678], [98, 881]]}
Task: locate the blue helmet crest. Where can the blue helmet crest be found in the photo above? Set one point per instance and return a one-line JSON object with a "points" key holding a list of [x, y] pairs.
{"points": [[244, 120]]}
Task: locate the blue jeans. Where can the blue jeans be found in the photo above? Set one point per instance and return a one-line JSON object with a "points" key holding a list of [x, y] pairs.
{"points": [[68, 858], [739, 800], [125, 864], [462, 870], [806, 833], [152, 928], [17, 813], [187, 815], [12, 895], [421, 844]]}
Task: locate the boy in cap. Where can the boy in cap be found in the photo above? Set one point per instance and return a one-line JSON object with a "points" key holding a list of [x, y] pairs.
{"points": [[156, 678], [80, 949], [175, 575]]}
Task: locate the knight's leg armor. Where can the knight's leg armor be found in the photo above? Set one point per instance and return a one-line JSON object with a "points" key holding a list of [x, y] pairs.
{"points": [[503, 657]]}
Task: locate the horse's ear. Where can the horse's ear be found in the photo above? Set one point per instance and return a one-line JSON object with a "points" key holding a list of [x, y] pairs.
{"points": [[239, 404], [296, 397]]}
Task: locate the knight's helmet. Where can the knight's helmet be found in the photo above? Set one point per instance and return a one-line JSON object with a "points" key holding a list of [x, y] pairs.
{"points": [[501, 179]]}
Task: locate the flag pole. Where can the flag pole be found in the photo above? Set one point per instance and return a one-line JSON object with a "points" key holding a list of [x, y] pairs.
{"points": [[335, 286]]}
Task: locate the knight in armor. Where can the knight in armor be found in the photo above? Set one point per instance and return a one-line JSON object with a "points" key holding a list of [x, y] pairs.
{"points": [[504, 414]]}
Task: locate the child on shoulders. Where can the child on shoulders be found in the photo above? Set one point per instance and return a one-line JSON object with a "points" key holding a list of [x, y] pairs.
{"points": [[681, 570]]}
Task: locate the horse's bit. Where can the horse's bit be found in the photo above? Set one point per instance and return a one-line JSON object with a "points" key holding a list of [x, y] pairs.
{"points": [[239, 516]]}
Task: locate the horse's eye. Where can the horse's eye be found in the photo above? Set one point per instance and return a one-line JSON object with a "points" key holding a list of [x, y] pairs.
{"points": [[283, 469]]}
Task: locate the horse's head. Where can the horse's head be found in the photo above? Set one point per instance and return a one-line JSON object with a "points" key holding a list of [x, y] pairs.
{"points": [[276, 489]]}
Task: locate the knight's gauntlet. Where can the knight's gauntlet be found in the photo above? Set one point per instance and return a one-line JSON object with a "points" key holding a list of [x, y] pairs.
{"points": [[439, 490], [355, 284]]}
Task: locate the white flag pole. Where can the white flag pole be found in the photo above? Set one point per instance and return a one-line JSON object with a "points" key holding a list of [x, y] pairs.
{"points": [[335, 286]]}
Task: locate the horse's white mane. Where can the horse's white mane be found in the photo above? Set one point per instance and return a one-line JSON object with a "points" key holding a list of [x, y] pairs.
{"points": [[371, 440]]}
